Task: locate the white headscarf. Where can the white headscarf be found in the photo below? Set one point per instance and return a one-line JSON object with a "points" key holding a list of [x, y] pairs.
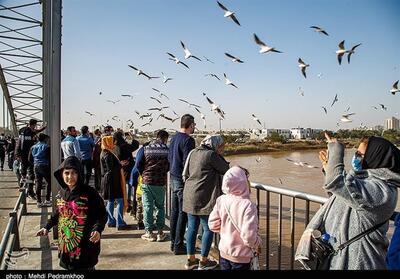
{"points": [[213, 141]]}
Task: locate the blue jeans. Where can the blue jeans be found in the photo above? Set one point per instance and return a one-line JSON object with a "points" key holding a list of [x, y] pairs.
{"points": [[225, 264], [178, 217], [207, 238], [153, 195], [120, 214]]}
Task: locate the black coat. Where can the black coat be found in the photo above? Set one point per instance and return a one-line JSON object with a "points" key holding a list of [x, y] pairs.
{"points": [[79, 212], [111, 176]]}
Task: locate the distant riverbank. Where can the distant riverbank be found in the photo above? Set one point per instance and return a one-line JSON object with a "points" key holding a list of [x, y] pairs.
{"points": [[264, 147]]}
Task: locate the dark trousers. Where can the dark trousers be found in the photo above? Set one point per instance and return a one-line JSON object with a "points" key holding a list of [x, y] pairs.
{"points": [[10, 160], [28, 173], [87, 170], [178, 217], [42, 171], [2, 158], [225, 264]]}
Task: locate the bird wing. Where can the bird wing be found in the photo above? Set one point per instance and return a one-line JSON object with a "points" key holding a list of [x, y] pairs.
{"points": [[184, 47], [155, 99], [341, 45], [155, 89], [301, 61], [146, 75], [170, 54], [197, 110], [258, 41], [275, 50], [315, 27], [234, 86], [182, 100], [324, 32], [230, 56], [214, 75], [222, 6], [354, 47], [395, 85], [339, 58], [184, 64], [194, 105], [303, 70], [233, 17], [209, 100], [133, 67]]}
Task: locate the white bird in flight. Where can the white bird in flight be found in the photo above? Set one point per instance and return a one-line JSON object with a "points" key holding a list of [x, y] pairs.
{"points": [[326, 111], [228, 13], [127, 95], [190, 104], [208, 60], [395, 89], [140, 72], [301, 92], [302, 164], [214, 107], [165, 78], [202, 116], [383, 107], [114, 102], [319, 30], [264, 48], [341, 51], [177, 61], [303, 67], [91, 114], [233, 58], [345, 118], [188, 54], [212, 75], [228, 82], [334, 100]]}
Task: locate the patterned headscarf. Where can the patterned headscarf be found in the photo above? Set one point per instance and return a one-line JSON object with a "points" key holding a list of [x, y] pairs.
{"points": [[213, 141]]}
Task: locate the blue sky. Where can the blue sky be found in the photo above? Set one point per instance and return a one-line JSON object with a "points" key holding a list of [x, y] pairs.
{"points": [[100, 38]]}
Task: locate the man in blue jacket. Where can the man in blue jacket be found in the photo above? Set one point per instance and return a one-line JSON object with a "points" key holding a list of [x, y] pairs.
{"points": [[181, 144], [86, 145], [39, 157]]}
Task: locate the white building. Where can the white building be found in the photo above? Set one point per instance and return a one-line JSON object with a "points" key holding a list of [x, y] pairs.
{"points": [[304, 133], [392, 124]]}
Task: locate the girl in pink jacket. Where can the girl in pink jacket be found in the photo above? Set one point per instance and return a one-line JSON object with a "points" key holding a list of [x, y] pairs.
{"points": [[234, 217]]}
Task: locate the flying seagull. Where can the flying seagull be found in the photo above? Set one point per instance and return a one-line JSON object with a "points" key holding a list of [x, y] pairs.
{"points": [[258, 159], [319, 30], [326, 111], [190, 104], [264, 48], [228, 82], [177, 61], [228, 13], [334, 100], [188, 54], [159, 109], [154, 98], [91, 114], [383, 107], [111, 101], [303, 67], [145, 115], [395, 88], [100, 93], [155, 89], [341, 51], [165, 78], [233, 58], [208, 60], [127, 95], [140, 72], [345, 117], [374, 107], [215, 107], [302, 164], [202, 116], [319, 75], [115, 118], [163, 95], [256, 119], [212, 75], [301, 92]]}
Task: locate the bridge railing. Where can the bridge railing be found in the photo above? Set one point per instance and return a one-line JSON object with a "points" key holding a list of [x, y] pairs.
{"points": [[10, 241]]}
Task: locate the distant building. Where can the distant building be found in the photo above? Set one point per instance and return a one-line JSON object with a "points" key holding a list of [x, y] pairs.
{"points": [[392, 124], [304, 133]]}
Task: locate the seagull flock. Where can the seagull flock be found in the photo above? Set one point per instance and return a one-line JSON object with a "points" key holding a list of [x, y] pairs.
{"points": [[264, 48]]}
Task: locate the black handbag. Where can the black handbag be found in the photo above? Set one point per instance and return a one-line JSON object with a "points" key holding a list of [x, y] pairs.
{"points": [[321, 252]]}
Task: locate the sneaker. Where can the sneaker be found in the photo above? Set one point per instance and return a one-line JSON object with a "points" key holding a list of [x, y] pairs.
{"points": [[2, 169], [190, 265], [39, 205], [181, 250], [209, 264], [161, 236], [47, 203], [149, 236]]}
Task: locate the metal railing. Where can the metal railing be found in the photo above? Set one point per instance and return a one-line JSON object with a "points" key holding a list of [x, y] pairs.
{"points": [[11, 238], [311, 205]]}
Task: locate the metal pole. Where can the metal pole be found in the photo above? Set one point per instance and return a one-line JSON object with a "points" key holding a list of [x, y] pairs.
{"points": [[46, 54], [55, 97], [4, 112]]}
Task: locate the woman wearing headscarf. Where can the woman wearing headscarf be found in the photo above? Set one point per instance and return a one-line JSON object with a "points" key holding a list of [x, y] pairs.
{"points": [[362, 199], [202, 173], [113, 183]]}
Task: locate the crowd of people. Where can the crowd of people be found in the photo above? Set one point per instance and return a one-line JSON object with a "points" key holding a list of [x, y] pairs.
{"points": [[207, 193]]}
